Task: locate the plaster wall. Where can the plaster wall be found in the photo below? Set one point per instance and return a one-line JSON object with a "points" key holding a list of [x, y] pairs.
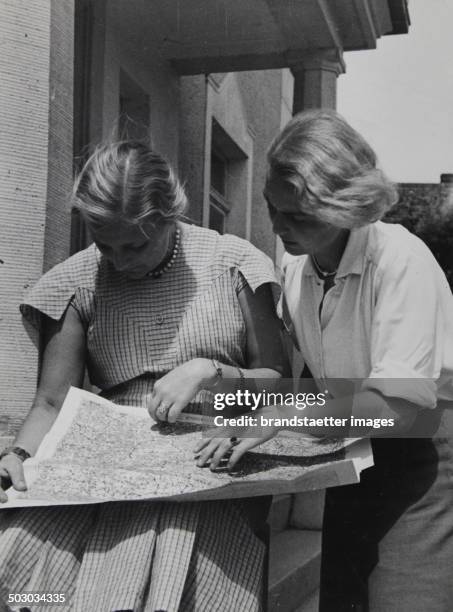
{"points": [[60, 159], [267, 99], [126, 41], [35, 172], [195, 135], [250, 107]]}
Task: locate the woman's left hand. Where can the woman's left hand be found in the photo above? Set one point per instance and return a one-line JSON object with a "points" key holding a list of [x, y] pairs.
{"points": [[177, 388]]}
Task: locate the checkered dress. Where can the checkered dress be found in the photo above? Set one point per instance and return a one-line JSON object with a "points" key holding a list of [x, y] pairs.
{"points": [[141, 555]]}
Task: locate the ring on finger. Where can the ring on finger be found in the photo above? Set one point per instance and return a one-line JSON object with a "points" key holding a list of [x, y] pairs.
{"points": [[229, 451], [163, 409]]}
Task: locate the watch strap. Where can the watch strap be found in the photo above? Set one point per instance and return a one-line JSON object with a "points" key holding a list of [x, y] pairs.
{"points": [[218, 371], [15, 450]]}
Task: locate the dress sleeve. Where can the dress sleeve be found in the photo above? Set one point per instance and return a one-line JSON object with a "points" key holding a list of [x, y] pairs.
{"points": [[281, 273], [254, 269], [407, 337], [67, 283], [282, 305]]}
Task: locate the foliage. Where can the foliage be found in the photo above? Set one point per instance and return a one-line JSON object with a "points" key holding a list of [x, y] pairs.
{"points": [[422, 212], [437, 233]]}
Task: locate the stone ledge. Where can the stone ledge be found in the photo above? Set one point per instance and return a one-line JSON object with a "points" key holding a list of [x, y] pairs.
{"points": [[307, 510], [279, 514], [311, 604], [294, 569]]}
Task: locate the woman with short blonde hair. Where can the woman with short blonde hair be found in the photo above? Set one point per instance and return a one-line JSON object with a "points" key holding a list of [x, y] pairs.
{"points": [[332, 168], [116, 184], [366, 300]]}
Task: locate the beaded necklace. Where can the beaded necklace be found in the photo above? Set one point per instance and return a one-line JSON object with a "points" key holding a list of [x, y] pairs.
{"points": [[167, 264]]}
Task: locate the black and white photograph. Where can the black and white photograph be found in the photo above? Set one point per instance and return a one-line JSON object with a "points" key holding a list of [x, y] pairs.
{"points": [[226, 315]]}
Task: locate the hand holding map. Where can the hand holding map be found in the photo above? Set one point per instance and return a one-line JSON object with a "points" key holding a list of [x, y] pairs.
{"points": [[97, 451]]}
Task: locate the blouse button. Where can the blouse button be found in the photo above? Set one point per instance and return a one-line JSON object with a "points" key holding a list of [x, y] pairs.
{"points": [[159, 319]]}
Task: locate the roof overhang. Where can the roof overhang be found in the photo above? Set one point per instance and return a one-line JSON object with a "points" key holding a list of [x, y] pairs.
{"points": [[399, 14], [204, 36]]}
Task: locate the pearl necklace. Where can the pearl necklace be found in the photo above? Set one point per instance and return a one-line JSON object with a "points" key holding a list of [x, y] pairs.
{"points": [[161, 270], [323, 273]]}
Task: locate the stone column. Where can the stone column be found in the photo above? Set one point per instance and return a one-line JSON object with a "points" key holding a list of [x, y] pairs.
{"points": [[315, 80], [194, 139], [60, 123], [36, 66]]}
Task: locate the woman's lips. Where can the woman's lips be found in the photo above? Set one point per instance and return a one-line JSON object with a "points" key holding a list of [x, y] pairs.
{"points": [[295, 248]]}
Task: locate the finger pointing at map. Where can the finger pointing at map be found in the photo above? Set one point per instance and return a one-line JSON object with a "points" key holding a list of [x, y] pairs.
{"points": [[177, 388]]}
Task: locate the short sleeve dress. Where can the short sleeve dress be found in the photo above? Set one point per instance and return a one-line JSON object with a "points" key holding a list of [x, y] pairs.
{"points": [[150, 556]]}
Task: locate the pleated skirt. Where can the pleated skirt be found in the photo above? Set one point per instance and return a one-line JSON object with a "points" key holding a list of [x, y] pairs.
{"points": [[136, 556]]}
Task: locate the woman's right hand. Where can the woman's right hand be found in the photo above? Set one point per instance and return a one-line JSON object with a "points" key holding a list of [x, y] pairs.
{"points": [[12, 470]]}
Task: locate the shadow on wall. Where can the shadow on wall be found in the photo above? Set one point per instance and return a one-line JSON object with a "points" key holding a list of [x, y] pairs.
{"points": [[426, 209]]}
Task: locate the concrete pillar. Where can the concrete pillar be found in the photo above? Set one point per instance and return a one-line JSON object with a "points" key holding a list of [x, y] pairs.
{"points": [[315, 80], [192, 142], [60, 149], [36, 66]]}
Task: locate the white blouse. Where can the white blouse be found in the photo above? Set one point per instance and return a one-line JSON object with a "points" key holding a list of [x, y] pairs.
{"points": [[388, 316]]}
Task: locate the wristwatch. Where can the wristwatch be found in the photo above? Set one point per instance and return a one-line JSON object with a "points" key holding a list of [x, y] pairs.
{"points": [[15, 450]]}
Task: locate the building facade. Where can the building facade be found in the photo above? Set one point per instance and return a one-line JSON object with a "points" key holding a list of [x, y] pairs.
{"points": [[208, 82]]}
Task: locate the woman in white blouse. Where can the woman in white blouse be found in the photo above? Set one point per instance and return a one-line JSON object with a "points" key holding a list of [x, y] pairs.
{"points": [[367, 300]]}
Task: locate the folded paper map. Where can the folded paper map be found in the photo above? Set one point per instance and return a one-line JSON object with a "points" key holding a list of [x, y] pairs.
{"points": [[97, 452]]}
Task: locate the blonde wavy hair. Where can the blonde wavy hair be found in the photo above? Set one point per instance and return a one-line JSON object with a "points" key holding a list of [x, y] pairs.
{"points": [[130, 183], [332, 169]]}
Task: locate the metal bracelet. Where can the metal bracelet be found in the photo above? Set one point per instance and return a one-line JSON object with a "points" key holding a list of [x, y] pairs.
{"points": [[242, 378], [218, 370]]}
